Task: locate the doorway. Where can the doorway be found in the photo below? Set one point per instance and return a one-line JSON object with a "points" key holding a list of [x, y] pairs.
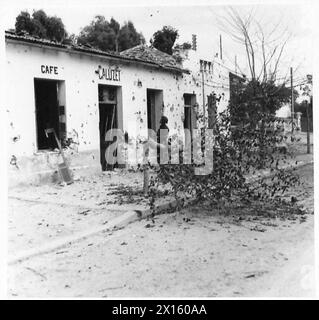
{"points": [[190, 116], [154, 108], [190, 120], [50, 112], [108, 114]]}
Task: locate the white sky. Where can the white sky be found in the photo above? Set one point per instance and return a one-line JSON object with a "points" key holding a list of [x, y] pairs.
{"points": [[198, 17]]}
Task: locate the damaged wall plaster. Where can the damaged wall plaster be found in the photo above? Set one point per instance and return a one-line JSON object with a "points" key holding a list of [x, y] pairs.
{"points": [[81, 95]]}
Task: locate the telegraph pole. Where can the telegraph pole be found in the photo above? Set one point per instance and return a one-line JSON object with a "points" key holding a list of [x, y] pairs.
{"points": [[203, 88], [292, 100], [308, 127], [308, 105], [220, 47], [236, 64]]}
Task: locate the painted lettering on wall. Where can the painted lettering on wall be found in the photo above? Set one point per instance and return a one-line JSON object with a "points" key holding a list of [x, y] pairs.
{"points": [[49, 69], [113, 74]]}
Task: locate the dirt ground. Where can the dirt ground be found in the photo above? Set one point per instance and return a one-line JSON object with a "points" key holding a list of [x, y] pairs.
{"points": [[55, 211], [195, 252], [41, 213]]}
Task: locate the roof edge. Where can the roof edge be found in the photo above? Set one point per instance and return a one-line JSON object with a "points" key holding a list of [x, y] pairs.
{"points": [[30, 40]]}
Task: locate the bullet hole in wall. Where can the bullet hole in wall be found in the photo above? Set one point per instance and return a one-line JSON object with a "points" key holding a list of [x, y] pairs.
{"points": [[16, 139], [13, 161]]}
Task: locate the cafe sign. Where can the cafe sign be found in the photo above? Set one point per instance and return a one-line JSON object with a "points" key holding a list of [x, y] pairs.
{"points": [[49, 69], [109, 73]]}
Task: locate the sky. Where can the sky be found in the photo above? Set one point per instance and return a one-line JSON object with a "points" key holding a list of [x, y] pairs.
{"points": [[189, 17]]}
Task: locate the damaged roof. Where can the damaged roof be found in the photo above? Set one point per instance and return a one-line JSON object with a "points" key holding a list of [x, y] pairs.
{"points": [[151, 54], [153, 58]]}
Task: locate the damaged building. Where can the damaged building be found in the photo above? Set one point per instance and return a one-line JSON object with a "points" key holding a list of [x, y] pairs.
{"points": [[82, 92]]}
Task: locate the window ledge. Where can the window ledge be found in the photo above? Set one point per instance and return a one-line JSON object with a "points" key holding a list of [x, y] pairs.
{"points": [[41, 152]]}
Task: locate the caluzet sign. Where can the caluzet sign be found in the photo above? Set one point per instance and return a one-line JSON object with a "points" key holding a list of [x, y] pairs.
{"points": [[108, 73]]}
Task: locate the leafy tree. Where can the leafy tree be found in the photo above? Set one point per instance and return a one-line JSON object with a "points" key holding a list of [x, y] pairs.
{"points": [[254, 99], [115, 26], [302, 107], [306, 105], [164, 39], [55, 29], [24, 22], [105, 35], [41, 25], [183, 46], [129, 37], [236, 156], [98, 34]]}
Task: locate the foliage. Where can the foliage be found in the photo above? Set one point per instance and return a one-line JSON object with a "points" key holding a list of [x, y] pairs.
{"points": [[129, 37], [305, 106], [41, 25], [253, 99], [164, 39], [109, 35], [183, 46], [302, 107], [238, 153], [179, 51]]}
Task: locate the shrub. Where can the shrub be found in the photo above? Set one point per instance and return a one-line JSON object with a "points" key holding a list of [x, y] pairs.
{"points": [[238, 153]]}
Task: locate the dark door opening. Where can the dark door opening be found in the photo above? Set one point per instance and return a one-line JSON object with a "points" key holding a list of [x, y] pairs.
{"points": [[47, 112], [108, 120], [154, 108], [190, 120]]}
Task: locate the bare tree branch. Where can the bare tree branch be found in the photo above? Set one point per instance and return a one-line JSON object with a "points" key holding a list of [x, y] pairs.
{"points": [[264, 46]]}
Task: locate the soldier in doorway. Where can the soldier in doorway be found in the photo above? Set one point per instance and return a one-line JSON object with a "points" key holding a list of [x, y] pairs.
{"points": [[162, 138]]}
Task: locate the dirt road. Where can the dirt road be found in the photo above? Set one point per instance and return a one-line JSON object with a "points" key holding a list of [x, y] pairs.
{"points": [[191, 253]]}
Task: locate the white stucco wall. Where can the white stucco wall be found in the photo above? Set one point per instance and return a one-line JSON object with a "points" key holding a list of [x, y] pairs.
{"points": [[216, 80], [23, 64]]}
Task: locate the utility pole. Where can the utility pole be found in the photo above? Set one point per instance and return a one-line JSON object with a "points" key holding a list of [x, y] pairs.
{"points": [[220, 47], [146, 177], [203, 88], [308, 105], [292, 100], [236, 64], [308, 127]]}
